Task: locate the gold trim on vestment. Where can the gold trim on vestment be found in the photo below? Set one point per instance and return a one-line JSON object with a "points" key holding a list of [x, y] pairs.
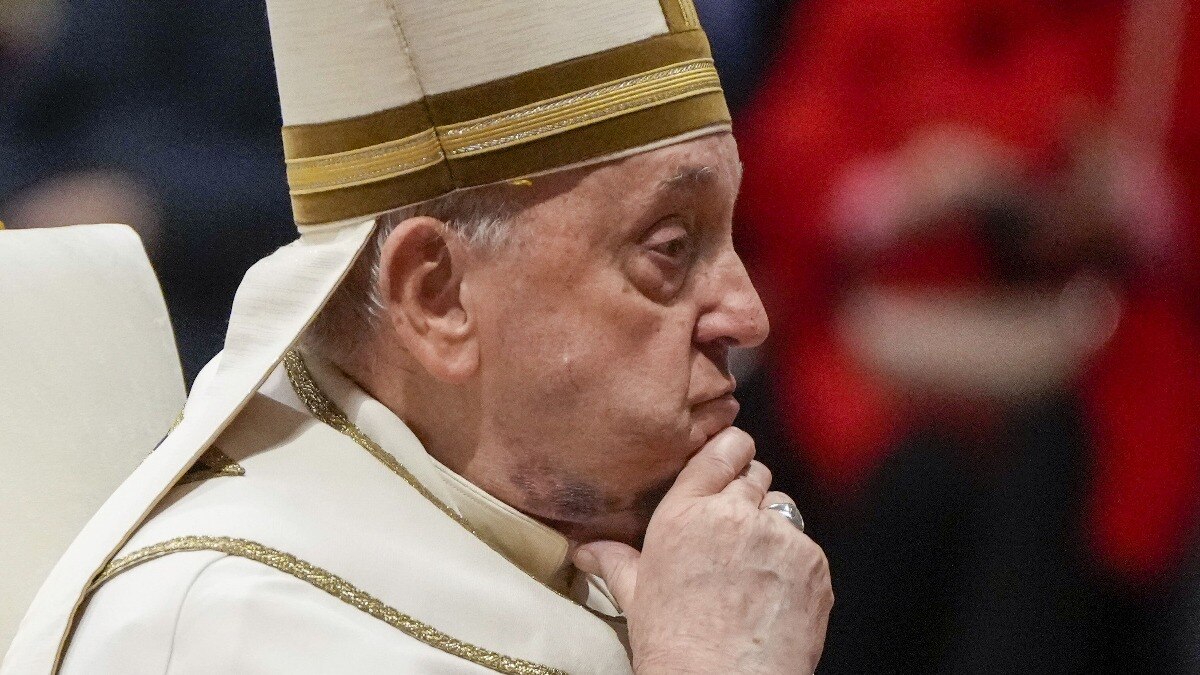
{"points": [[212, 464], [327, 412], [334, 585], [330, 414]]}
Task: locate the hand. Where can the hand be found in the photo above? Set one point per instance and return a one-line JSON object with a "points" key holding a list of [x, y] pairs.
{"points": [[720, 586]]}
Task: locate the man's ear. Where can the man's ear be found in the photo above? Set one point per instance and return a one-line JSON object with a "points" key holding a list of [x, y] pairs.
{"points": [[420, 275]]}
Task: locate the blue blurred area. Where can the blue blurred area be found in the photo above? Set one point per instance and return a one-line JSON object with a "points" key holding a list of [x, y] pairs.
{"points": [[180, 98], [743, 35]]}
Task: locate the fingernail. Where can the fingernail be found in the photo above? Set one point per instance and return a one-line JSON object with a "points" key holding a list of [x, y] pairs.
{"points": [[586, 561]]}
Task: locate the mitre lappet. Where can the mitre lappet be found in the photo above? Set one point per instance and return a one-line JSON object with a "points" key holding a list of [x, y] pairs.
{"points": [[387, 104]]}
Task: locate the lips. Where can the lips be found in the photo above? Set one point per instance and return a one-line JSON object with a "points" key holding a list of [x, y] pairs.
{"points": [[726, 404], [715, 394], [715, 415]]}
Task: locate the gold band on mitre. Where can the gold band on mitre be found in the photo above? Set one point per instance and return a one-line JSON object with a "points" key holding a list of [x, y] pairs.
{"points": [[556, 116]]}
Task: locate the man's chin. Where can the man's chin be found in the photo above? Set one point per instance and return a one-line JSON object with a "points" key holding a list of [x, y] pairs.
{"points": [[626, 523], [627, 530]]}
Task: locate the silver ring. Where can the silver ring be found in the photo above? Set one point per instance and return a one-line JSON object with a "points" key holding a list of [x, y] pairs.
{"points": [[790, 512]]}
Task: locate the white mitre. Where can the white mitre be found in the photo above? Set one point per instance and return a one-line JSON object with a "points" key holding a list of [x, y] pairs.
{"points": [[388, 103]]}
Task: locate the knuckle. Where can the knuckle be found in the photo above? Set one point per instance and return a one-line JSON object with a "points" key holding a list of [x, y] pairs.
{"points": [[729, 510], [746, 440], [735, 440], [766, 472], [807, 555], [720, 464], [776, 497]]}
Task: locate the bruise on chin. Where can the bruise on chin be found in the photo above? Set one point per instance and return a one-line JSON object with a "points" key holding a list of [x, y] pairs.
{"points": [[549, 496], [562, 499]]}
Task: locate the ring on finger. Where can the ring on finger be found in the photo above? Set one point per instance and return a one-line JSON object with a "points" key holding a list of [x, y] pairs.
{"points": [[790, 512]]}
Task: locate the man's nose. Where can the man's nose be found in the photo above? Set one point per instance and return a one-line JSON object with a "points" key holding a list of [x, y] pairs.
{"points": [[736, 314]]}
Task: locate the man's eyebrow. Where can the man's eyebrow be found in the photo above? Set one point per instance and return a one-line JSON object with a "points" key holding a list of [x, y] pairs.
{"points": [[689, 178], [692, 177]]}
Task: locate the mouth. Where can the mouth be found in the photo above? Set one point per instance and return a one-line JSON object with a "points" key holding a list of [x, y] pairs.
{"points": [[712, 417], [715, 394]]}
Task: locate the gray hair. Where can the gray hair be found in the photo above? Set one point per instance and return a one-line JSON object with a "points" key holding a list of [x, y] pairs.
{"points": [[356, 310]]}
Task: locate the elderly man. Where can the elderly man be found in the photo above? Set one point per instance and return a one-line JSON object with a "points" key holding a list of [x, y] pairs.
{"points": [[505, 441]]}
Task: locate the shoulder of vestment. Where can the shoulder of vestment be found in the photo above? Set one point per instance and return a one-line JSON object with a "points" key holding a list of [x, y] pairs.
{"points": [[297, 496]]}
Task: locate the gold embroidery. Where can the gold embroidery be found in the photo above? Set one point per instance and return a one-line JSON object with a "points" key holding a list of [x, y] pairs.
{"points": [[690, 18], [328, 412], [558, 115], [212, 464], [333, 585], [367, 165]]}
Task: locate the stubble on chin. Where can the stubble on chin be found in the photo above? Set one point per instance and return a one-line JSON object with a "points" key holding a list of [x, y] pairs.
{"points": [[583, 510]]}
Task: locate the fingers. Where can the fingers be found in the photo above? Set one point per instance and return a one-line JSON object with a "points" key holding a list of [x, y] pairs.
{"points": [[776, 497], [615, 563], [752, 486], [718, 464]]}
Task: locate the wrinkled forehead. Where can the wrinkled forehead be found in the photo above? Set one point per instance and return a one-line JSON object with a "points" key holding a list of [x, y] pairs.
{"points": [[700, 160], [607, 202], [709, 161]]}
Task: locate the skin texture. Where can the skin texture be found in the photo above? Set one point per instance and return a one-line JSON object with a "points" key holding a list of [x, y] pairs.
{"points": [[573, 373], [722, 585]]}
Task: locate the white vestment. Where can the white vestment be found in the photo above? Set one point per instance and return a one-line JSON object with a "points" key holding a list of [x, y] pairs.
{"points": [[318, 536]]}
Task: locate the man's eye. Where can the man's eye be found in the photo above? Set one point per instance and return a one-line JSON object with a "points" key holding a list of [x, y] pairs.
{"points": [[676, 248], [673, 242], [664, 260]]}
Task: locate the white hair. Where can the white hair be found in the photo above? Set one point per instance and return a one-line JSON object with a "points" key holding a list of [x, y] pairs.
{"points": [[356, 310]]}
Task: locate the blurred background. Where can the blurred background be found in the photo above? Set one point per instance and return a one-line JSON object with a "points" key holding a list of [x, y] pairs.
{"points": [[975, 226]]}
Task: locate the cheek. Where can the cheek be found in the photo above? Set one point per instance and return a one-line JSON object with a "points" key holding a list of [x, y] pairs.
{"points": [[601, 369], [637, 349], [587, 340]]}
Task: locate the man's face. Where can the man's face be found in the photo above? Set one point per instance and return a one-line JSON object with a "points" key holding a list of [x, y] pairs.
{"points": [[604, 332]]}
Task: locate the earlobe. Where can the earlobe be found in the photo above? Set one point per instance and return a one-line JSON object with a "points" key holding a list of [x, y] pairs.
{"points": [[422, 269]]}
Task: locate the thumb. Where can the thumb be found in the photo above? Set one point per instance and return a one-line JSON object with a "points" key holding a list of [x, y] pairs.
{"points": [[615, 563]]}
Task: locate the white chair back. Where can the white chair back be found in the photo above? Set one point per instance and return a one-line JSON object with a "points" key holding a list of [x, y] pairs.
{"points": [[89, 382]]}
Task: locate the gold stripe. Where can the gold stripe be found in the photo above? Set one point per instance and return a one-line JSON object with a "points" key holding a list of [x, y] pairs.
{"points": [[677, 15], [212, 464], [611, 136], [690, 17], [334, 585], [544, 118], [565, 78], [367, 165], [597, 140], [330, 414], [370, 198], [330, 138], [558, 115], [544, 134]]}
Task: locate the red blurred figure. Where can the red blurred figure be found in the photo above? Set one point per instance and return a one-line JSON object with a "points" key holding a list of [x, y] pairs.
{"points": [[953, 206]]}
